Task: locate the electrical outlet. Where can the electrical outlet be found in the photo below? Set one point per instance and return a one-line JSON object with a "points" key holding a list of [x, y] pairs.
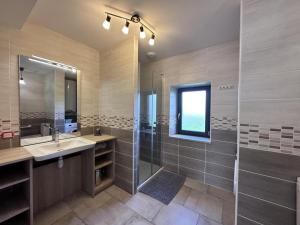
{"points": [[226, 87]]}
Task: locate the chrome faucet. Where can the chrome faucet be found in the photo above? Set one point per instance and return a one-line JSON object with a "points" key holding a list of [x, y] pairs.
{"points": [[55, 135]]}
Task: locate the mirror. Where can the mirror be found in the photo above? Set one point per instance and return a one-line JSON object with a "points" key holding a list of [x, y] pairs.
{"points": [[48, 100]]}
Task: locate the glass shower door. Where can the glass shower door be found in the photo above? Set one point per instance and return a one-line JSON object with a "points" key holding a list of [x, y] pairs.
{"points": [[149, 145]]}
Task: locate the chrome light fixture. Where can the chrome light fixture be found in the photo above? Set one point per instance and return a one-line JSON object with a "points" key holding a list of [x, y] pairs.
{"points": [[142, 33], [152, 40], [125, 29], [106, 23], [135, 18], [21, 80]]}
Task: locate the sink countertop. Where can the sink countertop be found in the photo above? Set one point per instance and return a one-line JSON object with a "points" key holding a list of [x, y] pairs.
{"points": [[50, 150], [99, 139], [12, 155]]}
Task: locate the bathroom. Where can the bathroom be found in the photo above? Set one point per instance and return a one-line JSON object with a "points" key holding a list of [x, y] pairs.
{"points": [[125, 113]]}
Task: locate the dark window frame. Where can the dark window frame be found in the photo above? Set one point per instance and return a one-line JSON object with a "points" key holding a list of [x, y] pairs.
{"points": [[206, 88]]}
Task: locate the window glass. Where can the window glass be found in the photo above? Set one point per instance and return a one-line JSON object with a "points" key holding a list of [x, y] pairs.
{"points": [[151, 102], [193, 111]]}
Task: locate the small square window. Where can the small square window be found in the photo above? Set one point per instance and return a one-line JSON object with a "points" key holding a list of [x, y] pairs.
{"points": [[193, 111]]}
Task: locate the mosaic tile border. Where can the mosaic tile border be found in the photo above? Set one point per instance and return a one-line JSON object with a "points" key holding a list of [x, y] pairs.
{"points": [[281, 139], [223, 123], [42, 115], [88, 120], [117, 122], [36, 115]]}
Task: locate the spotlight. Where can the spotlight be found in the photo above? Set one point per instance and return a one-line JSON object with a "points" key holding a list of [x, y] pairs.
{"points": [[106, 23], [21, 80], [152, 40], [142, 32], [125, 29]]}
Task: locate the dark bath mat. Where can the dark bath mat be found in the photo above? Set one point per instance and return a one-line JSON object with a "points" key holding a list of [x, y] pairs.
{"points": [[163, 186]]}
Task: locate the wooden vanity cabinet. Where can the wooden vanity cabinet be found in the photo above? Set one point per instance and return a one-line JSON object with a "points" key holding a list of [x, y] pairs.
{"points": [[52, 184]]}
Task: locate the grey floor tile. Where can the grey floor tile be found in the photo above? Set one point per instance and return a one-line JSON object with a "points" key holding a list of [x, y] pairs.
{"points": [[138, 220], [118, 193], [111, 213], [176, 215], [116, 207], [95, 217], [144, 205], [52, 214], [228, 213], [192, 199], [182, 195], [205, 221], [83, 204], [69, 219], [196, 185], [225, 195], [210, 206]]}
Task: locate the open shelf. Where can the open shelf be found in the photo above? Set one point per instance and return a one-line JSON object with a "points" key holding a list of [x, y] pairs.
{"points": [[13, 174], [104, 184], [13, 203], [107, 145], [13, 178], [103, 160], [103, 164], [103, 152], [20, 219]]}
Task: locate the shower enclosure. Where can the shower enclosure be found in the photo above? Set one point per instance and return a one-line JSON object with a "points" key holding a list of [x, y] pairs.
{"points": [[150, 158]]}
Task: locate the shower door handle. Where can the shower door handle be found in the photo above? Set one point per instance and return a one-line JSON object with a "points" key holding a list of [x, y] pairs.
{"points": [[178, 116]]}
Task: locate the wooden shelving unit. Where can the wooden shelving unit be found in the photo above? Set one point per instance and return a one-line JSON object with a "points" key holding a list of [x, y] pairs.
{"points": [[104, 159], [15, 193]]}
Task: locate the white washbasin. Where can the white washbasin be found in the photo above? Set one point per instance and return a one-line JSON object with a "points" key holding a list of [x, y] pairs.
{"points": [[51, 150]]}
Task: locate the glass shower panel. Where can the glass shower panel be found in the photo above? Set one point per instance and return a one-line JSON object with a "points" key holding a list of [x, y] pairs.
{"points": [[150, 108], [157, 81]]}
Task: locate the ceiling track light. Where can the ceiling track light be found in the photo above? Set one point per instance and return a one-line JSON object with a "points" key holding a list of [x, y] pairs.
{"points": [[21, 80], [142, 33], [152, 40], [135, 18], [106, 23], [125, 29]]}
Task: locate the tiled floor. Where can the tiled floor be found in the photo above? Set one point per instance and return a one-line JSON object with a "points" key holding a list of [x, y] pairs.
{"points": [[195, 204]]}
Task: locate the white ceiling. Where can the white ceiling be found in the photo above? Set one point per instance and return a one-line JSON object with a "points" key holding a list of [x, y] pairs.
{"points": [[181, 25], [13, 13]]}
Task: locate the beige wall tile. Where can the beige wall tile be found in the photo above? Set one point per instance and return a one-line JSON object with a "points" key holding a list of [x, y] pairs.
{"points": [[218, 64], [118, 77]]}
